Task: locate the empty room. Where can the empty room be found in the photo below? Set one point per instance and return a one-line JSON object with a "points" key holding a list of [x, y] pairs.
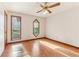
{"points": [[39, 29]]}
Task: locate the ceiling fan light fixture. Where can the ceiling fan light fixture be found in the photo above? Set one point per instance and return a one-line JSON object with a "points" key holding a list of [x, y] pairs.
{"points": [[45, 12]]}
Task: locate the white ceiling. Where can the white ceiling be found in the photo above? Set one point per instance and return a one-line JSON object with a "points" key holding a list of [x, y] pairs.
{"points": [[32, 7]]}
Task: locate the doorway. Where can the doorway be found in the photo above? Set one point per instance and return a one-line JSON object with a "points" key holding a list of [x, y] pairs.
{"points": [[15, 28]]}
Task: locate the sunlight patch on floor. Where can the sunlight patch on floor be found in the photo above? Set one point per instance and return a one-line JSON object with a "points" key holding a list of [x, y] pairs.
{"points": [[35, 49], [60, 49], [18, 50]]}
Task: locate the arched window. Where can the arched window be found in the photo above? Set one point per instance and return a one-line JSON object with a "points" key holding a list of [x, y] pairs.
{"points": [[36, 27]]}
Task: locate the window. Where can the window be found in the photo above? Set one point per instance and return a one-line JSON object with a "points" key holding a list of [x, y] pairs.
{"points": [[16, 27], [36, 26]]}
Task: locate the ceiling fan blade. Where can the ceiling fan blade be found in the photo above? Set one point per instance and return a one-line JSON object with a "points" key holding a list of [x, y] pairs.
{"points": [[45, 3], [54, 5], [39, 11], [49, 11], [41, 5]]}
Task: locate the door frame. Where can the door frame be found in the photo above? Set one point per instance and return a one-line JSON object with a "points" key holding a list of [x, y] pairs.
{"points": [[11, 27], [5, 27]]}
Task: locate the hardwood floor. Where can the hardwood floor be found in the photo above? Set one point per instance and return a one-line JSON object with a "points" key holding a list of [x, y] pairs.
{"points": [[40, 48]]}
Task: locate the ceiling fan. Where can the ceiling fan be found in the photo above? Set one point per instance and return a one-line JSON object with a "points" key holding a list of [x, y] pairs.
{"points": [[46, 7]]}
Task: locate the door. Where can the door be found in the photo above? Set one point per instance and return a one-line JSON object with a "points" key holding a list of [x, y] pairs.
{"points": [[15, 28]]}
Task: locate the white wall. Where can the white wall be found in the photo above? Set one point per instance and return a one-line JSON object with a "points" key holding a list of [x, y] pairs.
{"points": [[64, 26], [1, 31], [27, 26]]}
